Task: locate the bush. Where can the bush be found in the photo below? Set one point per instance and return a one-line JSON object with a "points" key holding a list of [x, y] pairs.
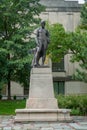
{"points": [[77, 103], [75, 112]]}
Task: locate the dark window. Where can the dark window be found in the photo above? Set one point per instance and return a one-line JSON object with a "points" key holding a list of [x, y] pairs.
{"points": [[26, 91], [58, 66], [59, 87]]}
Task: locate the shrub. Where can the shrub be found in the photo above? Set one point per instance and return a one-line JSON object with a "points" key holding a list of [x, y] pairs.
{"points": [[75, 112], [77, 103]]}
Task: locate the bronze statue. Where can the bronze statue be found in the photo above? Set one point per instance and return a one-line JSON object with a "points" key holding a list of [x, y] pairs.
{"points": [[42, 41]]}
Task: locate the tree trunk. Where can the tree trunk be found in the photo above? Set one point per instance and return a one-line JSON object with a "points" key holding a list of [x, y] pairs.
{"points": [[9, 87], [9, 90], [9, 81]]}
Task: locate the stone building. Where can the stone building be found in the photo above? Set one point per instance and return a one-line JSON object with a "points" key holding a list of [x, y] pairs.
{"points": [[68, 14]]}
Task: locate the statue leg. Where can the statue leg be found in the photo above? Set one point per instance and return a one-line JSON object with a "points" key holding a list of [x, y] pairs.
{"points": [[43, 57], [38, 56], [36, 60]]}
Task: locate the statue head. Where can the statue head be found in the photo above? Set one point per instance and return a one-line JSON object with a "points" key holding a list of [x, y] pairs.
{"points": [[43, 23]]}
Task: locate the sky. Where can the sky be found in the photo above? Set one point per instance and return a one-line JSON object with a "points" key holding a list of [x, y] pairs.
{"points": [[80, 1]]}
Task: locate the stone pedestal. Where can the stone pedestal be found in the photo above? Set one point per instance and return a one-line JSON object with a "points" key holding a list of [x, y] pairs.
{"points": [[41, 104], [41, 94]]}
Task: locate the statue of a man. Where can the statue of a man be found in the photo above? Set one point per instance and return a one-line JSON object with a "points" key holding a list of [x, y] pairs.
{"points": [[42, 40]]}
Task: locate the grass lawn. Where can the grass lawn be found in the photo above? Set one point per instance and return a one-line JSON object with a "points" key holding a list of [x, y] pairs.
{"points": [[8, 107], [77, 104]]}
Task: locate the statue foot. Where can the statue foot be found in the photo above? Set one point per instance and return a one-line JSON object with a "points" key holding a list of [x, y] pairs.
{"points": [[36, 65], [42, 64]]}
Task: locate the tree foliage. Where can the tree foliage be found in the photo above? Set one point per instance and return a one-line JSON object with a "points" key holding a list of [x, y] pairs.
{"points": [[83, 15], [17, 22], [73, 42], [81, 55], [57, 40], [78, 46]]}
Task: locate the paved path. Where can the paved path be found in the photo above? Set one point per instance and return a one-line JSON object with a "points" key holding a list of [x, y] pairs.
{"points": [[7, 123]]}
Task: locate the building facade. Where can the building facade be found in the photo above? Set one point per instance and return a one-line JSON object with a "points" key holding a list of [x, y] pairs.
{"points": [[66, 13]]}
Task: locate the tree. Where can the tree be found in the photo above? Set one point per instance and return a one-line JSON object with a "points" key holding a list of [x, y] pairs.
{"points": [[75, 42], [80, 46], [57, 39], [17, 22], [83, 24]]}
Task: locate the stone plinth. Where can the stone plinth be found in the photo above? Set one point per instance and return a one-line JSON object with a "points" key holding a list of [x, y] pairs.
{"points": [[41, 94], [62, 115], [41, 104]]}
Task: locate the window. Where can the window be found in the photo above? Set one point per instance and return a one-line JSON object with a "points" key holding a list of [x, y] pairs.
{"points": [[58, 66], [59, 87], [26, 91]]}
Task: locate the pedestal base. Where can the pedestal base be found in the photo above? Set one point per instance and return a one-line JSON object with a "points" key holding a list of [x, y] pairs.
{"points": [[61, 115], [41, 104]]}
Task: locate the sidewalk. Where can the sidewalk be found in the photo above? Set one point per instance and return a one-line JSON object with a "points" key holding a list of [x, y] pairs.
{"points": [[7, 123]]}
